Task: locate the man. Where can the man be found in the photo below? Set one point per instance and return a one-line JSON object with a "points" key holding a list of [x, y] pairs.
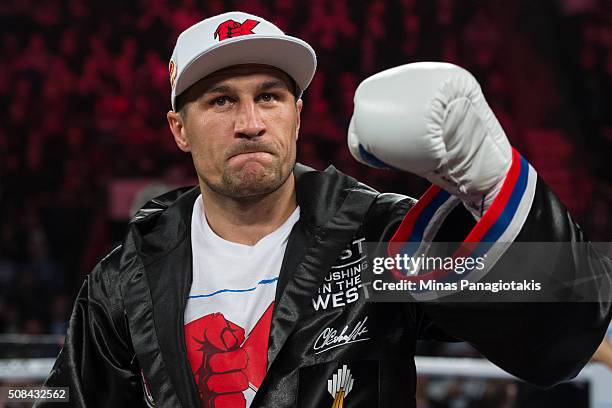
{"points": [[244, 291]]}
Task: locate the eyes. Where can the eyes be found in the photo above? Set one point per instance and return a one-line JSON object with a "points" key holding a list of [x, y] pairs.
{"points": [[220, 101], [267, 97], [225, 100]]}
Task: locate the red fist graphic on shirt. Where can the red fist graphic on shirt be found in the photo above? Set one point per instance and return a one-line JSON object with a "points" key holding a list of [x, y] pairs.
{"points": [[223, 362], [218, 361]]}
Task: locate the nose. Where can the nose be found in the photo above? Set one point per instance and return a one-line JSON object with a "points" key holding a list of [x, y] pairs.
{"points": [[249, 123]]}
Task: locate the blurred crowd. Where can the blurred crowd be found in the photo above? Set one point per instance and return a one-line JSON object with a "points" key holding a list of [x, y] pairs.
{"points": [[85, 89]]}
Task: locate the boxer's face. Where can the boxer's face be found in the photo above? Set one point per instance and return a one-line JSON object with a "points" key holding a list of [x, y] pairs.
{"points": [[241, 126]]}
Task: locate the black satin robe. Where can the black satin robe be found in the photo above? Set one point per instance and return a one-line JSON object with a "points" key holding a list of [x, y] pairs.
{"points": [[127, 326]]}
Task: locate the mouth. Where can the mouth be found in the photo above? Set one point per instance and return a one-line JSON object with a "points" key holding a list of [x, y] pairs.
{"points": [[258, 150], [250, 155], [249, 152], [256, 154]]}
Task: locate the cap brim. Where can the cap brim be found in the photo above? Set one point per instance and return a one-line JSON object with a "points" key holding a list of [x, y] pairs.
{"points": [[287, 53]]}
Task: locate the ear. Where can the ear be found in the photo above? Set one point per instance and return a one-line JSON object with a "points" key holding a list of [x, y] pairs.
{"points": [[177, 127], [298, 107]]}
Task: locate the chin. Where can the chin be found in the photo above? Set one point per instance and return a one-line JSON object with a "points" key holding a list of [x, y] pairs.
{"points": [[253, 180]]}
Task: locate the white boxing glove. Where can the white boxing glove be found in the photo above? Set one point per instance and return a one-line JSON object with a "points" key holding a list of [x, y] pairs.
{"points": [[431, 119]]}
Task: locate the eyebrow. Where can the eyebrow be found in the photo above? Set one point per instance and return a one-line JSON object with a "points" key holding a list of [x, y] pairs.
{"points": [[218, 89], [264, 86], [267, 85]]}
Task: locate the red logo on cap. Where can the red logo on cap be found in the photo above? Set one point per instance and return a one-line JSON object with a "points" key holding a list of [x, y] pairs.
{"points": [[172, 71], [231, 28]]}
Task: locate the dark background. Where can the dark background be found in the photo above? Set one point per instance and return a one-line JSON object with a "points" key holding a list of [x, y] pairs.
{"points": [[84, 90]]}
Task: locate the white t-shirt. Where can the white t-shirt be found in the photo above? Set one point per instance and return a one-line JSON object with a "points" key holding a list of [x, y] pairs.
{"points": [[233, 288]]}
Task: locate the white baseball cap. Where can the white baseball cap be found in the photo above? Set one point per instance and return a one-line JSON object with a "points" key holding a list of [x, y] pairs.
{"points": [[237, 38]]}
